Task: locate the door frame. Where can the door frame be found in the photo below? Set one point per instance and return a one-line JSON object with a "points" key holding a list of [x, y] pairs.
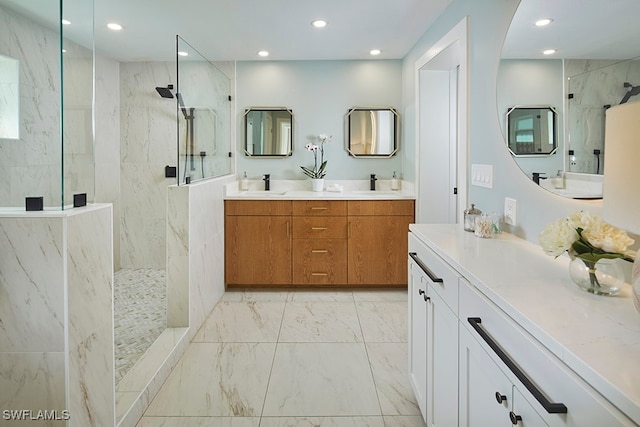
{"points": [[449, 54]]}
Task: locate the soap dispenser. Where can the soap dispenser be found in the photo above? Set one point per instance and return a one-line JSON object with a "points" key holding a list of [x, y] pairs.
{"points": [[395, 183], [244, 183]]}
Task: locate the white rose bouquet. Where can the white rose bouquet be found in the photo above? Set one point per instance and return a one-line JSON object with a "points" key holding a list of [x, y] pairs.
{"points": [[318, 171], [587, 237]]}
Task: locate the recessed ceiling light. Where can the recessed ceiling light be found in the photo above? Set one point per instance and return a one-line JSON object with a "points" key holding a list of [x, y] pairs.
{"points": [[549, 52], [263, 53], [543, 22], [113, 26], [375, 52], [319, 23], [66, 22], [183, 53]]}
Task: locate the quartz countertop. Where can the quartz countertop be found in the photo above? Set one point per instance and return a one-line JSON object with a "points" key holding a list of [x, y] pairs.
{"points": [[301, 190], [597, 337]]}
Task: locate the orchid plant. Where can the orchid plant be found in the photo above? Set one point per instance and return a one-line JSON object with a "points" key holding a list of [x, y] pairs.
{"points": [[587, 237], [319, 170]]}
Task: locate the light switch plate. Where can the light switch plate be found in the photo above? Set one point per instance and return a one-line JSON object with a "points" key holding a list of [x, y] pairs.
{"points": [[482, 175], [510, 211]]}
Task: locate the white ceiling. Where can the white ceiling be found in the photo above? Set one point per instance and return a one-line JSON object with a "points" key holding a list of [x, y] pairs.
{"points": [[581, 29], [238, 29]]}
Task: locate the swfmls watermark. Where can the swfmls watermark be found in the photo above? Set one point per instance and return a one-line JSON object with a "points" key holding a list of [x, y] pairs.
{"points": [[39, 415]]}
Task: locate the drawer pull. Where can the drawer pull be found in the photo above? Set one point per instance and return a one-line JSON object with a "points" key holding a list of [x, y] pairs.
{"points": [[319, 274], [318, 228], [500, 397], [514, 418], [550, 407], [319, 251], [420, 291], [424, 268], [319, 208]]}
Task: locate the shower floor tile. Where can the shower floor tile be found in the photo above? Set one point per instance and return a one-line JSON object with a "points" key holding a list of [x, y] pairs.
{"points": [[140, 314]]}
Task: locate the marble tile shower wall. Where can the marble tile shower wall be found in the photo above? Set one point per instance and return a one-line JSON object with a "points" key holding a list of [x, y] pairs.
{"points": [[56, 339], [31, 165], [147, 145], [596, 83]]}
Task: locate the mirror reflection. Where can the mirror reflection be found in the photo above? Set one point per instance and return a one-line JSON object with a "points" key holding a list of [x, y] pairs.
{"points": [[268, 132], [372, 132], [584, 75], [532, 130]]}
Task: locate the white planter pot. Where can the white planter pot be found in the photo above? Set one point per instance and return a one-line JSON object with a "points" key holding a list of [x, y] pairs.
{"points": [[317, 184]]}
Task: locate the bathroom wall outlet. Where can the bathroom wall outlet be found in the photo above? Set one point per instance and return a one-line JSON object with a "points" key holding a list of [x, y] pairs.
{"points": [[510, 211], [482, 175]]}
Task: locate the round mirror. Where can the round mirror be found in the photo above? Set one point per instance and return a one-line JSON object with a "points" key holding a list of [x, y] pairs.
{"points": [[577, 65]]}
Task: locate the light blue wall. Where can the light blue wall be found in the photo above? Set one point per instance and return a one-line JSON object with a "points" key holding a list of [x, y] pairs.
{"points": [[533, 82], [320, 93], [488, 24]]}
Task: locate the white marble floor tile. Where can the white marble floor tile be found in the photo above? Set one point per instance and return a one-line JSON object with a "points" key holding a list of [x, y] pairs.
{"points": [[242, 322], [391, 376], [387, 295], [404, 421], [321, 295], [253, 295], [321, 422], [320, 322], [321, 379], [216, 379], [199, 422], [383, 321]]}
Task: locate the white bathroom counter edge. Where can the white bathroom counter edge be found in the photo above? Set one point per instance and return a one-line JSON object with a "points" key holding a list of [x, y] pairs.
{"points": [[597, 337], [321, 195]]}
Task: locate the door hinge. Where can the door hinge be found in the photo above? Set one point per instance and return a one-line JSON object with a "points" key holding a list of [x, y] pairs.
{"points": [[455, 190]]}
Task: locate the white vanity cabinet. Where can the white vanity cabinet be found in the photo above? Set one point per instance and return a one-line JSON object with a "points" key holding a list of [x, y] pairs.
{"points": [[433, 335], [538, 389], [483, 351]]}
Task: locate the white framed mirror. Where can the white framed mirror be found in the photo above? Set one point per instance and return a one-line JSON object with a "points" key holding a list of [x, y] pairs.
{"points": [[371, 131]]}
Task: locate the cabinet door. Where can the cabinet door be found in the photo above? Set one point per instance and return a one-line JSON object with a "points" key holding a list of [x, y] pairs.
{"points": [[481, 383], [258, 250], [418, 336], [442, 373], [377, 250]]}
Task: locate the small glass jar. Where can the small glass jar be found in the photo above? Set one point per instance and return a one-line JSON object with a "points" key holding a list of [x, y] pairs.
{"points": [[470, 216]]}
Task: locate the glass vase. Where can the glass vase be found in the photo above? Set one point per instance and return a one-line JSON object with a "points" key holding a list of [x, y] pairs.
{"points": [[605, 278]]}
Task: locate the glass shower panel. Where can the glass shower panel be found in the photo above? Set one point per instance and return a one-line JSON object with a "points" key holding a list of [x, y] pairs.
{"points": [[77, 101], [204, 116], [51, 154], [30, 165]]}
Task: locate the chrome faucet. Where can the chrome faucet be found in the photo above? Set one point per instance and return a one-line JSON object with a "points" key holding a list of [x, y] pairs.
{"points": [[372, 182], [267, 182]]}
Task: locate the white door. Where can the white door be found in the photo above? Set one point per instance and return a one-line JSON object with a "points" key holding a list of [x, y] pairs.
{"points": [[441, 129]]}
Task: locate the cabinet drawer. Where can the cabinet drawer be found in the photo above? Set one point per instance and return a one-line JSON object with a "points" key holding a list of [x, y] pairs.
{"points": [[320, 207], [547, 375], [319, 261], [257, 207], [443, 278], [319, 227], [381, 207]]}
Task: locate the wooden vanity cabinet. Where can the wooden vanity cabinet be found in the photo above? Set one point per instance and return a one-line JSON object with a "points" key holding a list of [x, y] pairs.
{"points": [[377, 241], [319, 242], [257, 242]]}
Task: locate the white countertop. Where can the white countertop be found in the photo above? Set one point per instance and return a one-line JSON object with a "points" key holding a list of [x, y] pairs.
{"points": [[301, 190], [596, 336]]}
